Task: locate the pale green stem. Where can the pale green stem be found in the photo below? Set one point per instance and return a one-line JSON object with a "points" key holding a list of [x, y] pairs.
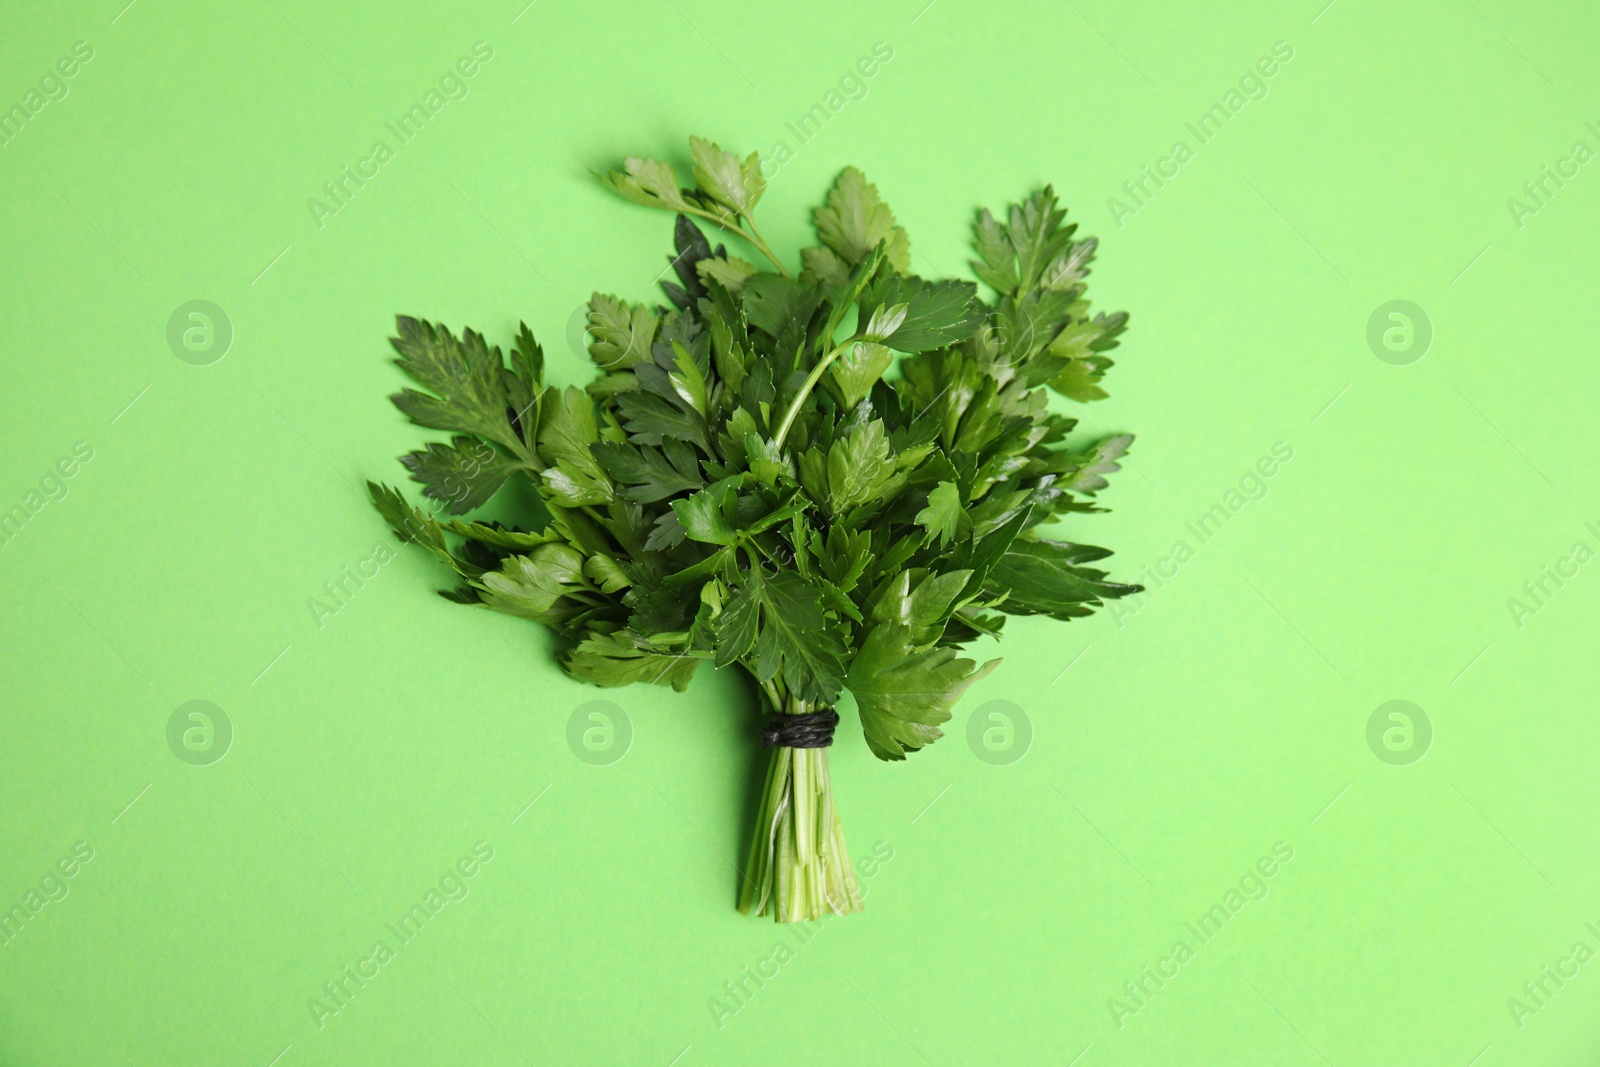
{"points": [[752, 235], [805, 389], [760, 242], [799, 868]]}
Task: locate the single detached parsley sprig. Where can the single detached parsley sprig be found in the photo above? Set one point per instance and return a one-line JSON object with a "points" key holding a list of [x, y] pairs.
{"points": [[747, 483]]}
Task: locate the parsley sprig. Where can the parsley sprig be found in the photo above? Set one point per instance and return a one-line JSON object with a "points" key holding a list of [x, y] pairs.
{"points": [[834, 479]]}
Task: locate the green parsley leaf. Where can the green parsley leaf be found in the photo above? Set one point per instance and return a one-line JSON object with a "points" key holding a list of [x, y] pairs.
{"points": [[996, 266], [904, 695], [1036, 235], [647, 182], [606, 572], [621, 332], [410, 524], [1101, 460], [566, 431], [709, 515], [774, 303], [859, 468], [780, 620], [463, 474], [854, 220], [1043, 578], [624, 657], [687, 380], [943, 518], [649, 474], [531, 585], [466, 380], [858, 369], [937, 314], [722, 177], [730, 272], [498, 536]]}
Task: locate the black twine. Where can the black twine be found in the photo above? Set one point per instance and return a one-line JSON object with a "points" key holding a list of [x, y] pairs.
{"points": [[814, 730]]}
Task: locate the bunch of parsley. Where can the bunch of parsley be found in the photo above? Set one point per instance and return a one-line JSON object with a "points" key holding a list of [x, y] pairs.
{"points": [[747, 483]]}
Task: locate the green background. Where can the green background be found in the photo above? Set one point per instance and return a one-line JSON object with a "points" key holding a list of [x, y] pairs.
{"points": [[1171, 748]]}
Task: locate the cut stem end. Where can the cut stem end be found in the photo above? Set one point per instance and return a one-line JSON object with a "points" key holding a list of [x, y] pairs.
{"points": [[799, 869]]}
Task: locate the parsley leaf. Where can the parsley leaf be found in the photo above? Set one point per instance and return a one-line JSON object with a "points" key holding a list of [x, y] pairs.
{"points": [[566, 432], [466, 383], [463, 474], [731, 183], [779, 620], [709, 515], [647, 182], [858, 369], [1043, 578], [621, 332], [624, 657], [851, 224], [649, 474], [937, 314], [904, 694], [943, 517], [1100, 461]]}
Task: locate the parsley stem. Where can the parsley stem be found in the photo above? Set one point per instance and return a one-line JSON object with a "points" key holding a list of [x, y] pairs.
{"points": [[798, 866], [752, 235], [760, 242], [805, 389]]}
